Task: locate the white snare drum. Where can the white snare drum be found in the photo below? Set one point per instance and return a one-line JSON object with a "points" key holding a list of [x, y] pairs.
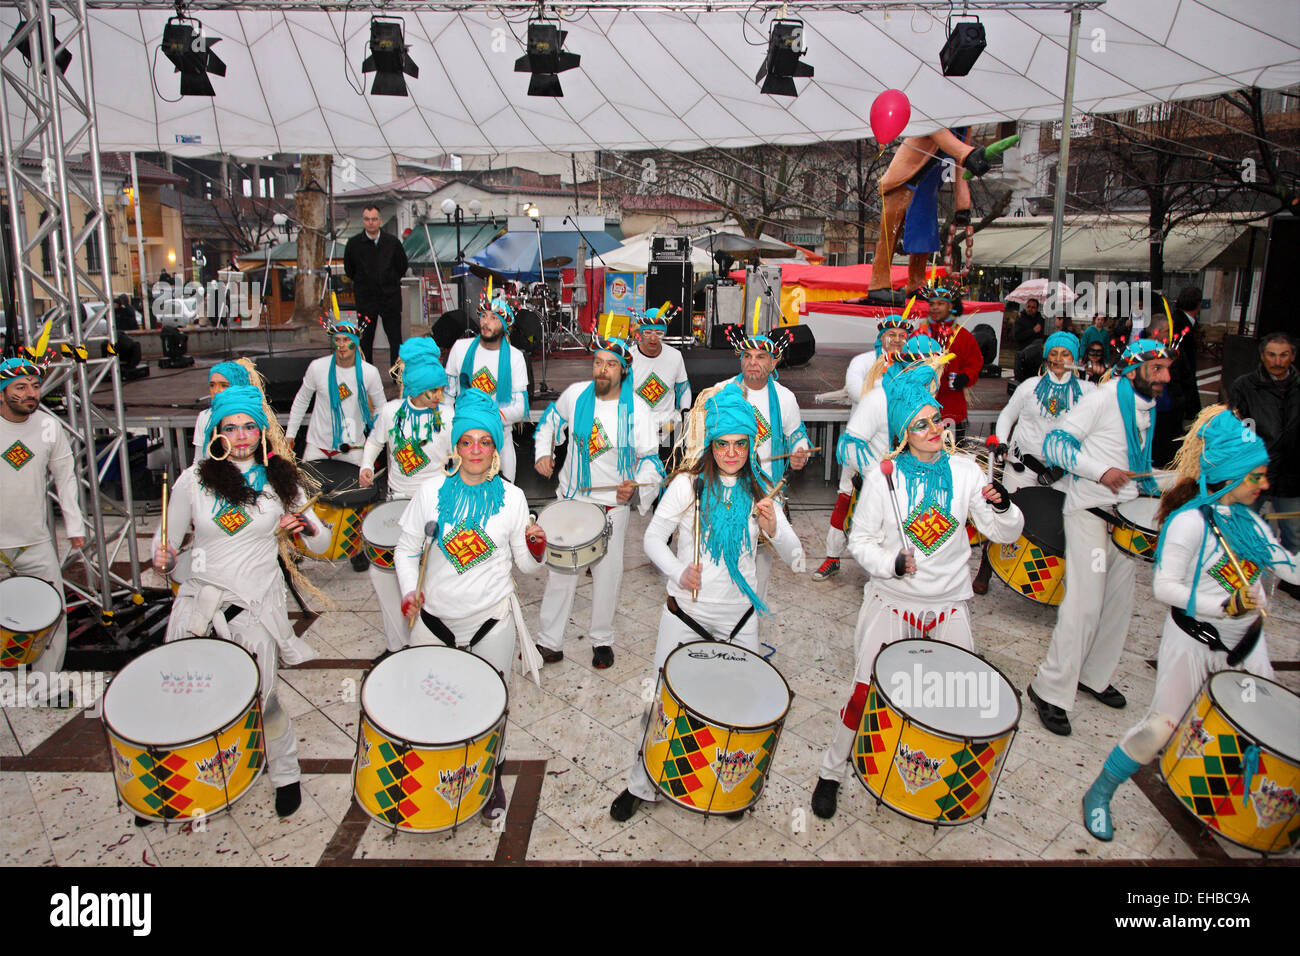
{"points": [[577, 534], [1139, 531], [30, 610], [380, 530]]}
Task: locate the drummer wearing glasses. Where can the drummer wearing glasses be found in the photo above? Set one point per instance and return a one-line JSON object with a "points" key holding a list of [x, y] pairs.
{"points": [[909, 535], [1214, 621], [717, 598]]}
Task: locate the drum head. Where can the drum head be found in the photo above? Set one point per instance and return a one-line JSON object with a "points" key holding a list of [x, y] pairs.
{"points": [[571, 523], [180, 692], [433, 696], [945, 688], [335, 476], [1265, 711], [1043, 509], [727, 685], [28, 604], [382, 524], [1140, 512]]}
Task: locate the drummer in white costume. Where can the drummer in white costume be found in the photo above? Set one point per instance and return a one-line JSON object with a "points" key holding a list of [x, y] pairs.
{"points": [[1103, 442], [734, 512], [35, 450], [613, 447], [220, 377], [348, 392], [467, 598], [659, 376], [1214, 619], [490, 364], [1033, 411], [238, 501], [919, 586], [417, 430]]}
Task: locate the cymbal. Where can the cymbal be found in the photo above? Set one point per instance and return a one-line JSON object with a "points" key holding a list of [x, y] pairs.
{"points": [[556, 262]]}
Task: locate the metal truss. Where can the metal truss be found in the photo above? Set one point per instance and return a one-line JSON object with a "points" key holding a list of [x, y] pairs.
{"points": [[564, 9], [39, 168]]}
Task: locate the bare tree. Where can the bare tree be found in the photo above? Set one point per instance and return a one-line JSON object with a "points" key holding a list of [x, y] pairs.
{"points": [[311, 200]]}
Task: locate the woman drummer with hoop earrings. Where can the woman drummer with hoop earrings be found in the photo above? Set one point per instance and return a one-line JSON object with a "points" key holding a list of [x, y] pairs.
{"points": [[459, 534], [909, 535], [1208, 532], [713, 577]]}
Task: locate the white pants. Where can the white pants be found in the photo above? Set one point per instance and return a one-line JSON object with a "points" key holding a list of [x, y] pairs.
{"points": [[606, 582], [1093, 618], [763, 558], [42, 561], [396, 630], [878, 625], [1182, 665], [497, 646], [837, 540], [718, 620]]}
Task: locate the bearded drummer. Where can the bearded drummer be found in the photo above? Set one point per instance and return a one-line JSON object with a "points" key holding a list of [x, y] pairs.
{"points": [[36, 451], [1104, 442], [459, 582], [1033, 411], [239, 499], [416, 429], [1214, 621], [613, 454], [716, 598], [912, 542], [220, 377]]}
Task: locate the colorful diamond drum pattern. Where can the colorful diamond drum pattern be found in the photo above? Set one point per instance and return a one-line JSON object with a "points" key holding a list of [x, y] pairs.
{"points": [[1029, 570], [30, 610], [1137, 534], [380, 529], [345, 526]]}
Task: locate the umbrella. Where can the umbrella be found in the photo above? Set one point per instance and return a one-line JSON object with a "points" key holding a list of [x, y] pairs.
{"points": [[1040, 289], [743, 247], [634, 256], [514, 255]]}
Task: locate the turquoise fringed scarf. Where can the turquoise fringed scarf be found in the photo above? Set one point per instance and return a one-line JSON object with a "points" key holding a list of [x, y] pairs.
{"points": [[504, 382], [415, 425], [469, 506], [724, 515], [780, 446], [1057, 398], [584, 414], [927, 482], [1139, 451], [336, 403]]}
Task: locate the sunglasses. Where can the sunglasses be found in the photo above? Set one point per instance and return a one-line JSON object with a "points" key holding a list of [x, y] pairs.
{"points": [[721, 444], [922, 425]]}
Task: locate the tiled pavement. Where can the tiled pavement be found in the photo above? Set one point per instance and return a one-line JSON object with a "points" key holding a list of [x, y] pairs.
{"points": [[570, 742]]}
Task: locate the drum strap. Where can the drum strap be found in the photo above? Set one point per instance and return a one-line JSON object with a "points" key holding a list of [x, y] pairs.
{"points": [[698, 628], [1111, 519], [1208, 635], [444, 634]]}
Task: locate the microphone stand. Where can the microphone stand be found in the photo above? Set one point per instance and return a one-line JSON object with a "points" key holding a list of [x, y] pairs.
{"points": [[603, 265]]}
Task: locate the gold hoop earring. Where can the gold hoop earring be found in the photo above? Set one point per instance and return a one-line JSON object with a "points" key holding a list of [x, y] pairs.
{"points": [[495, 468], [266, 459], [225, 441], [455, 457]]}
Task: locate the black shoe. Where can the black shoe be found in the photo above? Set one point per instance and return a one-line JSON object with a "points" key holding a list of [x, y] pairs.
{"points": [[823, 798], [548, 655], [383, 656], [980, 585], [1289, 588], [738, 815], [143, 821], [602, 657], [624, 806], [1054, 718], [359, 561], [287, 799], [1110, 696]]}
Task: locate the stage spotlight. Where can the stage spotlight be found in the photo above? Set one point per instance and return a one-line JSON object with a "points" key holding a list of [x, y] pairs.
{"points": [[61, 59], [184, 44], [546, 59], [388, 58], [964, 45], [784, 48]]}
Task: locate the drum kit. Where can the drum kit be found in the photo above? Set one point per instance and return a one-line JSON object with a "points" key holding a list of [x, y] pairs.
{"points": [[30, 610], [342, 507]]}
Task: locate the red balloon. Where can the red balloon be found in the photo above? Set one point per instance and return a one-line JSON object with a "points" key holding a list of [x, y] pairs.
{"points": [[889, 115]]}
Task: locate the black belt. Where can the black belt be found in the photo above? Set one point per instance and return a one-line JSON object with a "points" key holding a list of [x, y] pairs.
{"points": [[698, 628], [1109, 517], [1208, 635], [443, 633]]}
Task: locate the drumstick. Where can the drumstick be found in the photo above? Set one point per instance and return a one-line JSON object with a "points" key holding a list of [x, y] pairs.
{"points": [[887, 469], [1208, 512], [1281, 515], [791, 454], [635, 484], [430, 532], [698, 484], [164, 520]]}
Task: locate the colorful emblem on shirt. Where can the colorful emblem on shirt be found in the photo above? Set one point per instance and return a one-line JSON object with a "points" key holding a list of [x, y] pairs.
{"points": [[929, 526], [484, 381], [231, 518], [652, 390], [18, 455], [599, 442], [410, 458], [1227, 577], [764, 429], [344, 391], [467, 547]]}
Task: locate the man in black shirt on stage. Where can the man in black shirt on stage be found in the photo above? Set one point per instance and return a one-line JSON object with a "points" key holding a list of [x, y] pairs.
{"points": [[375, 262]]}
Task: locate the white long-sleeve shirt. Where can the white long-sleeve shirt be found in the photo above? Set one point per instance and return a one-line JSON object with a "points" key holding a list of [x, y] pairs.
{"points": [[409, 465], [661, 384], [320, 427], [603, 446], [201, 429], [676, 512], [484, 378], [470, 573], [1099, 427], [868, 423], [791, 424], [1031, 422], [856, 376], [33, 452], [1172, 582], [937, 538]]}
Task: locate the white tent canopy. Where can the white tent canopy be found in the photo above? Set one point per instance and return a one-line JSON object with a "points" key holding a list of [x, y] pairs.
{"points": [[653, 79], [634, 256]]}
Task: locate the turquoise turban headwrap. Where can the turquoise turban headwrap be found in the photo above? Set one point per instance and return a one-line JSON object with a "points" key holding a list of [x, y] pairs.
{"points": [[421, 366]]}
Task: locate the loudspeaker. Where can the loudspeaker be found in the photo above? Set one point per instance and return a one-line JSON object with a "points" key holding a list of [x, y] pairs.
{"points": [[1240, 356], [1276, 309], [965, 44], [670, 282], [669, 249], [705, 367], [802, 347], [284, 375]]}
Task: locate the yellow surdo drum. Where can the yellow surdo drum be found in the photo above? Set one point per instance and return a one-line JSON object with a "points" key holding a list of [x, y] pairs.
{"points": [[935, 731], [1137, 531], [184, 725], [1235, 761], [714, 729], [30, 610], [380, 531], [433, 719], [342, 507], [1034, 564]]}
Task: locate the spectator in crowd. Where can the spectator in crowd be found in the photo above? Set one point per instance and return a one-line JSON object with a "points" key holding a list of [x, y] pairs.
{"points": [[375, 262], [1097, 332], [1029, 325]]}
